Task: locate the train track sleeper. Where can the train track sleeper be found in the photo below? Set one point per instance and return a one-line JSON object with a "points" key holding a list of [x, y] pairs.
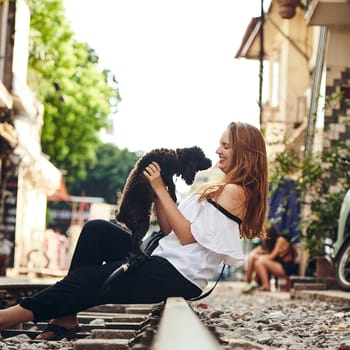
{"points": [[170, 325], [102, 344], [113, 333]]}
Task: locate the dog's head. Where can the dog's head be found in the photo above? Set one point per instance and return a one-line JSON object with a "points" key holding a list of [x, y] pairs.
{"points": [[190, 161]]}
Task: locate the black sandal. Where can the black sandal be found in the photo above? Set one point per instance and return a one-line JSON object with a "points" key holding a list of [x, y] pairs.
{"points": [[60, 332]]}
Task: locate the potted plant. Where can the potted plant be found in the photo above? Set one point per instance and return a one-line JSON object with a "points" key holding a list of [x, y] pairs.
{"points": [[287, 8], [324, 191]]}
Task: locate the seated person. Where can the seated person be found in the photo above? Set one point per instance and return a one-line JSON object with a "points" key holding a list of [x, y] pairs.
{"points": [[266, 246], [277, 256]]}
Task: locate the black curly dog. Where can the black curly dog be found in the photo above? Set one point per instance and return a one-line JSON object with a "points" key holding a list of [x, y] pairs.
{"points": [[138, 196]]}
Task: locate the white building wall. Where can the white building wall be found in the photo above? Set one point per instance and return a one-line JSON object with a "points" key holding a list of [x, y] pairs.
{"points": [[37, 177]]}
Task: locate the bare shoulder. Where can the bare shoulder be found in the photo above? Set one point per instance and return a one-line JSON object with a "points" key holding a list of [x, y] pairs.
{"points": [[233, 190], [232, 198]]}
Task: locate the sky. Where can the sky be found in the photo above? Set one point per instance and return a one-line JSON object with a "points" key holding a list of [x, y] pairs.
{"points": [[174, 61]]}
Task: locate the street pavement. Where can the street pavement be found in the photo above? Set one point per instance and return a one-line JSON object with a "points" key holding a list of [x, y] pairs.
{"points": [[292, 320], [331, 295]]}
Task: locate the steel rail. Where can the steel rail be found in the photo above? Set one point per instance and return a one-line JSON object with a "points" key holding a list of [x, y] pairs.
{"points": [[181, 329]]}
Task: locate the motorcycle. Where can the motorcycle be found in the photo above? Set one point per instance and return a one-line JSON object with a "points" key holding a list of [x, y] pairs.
{"points": [[341, 247]]}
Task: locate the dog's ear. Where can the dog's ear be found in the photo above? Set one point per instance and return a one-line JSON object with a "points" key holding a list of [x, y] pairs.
{"points": [[180, 152], [193, 154], [188, 153], [205, 164], [191, 160]]}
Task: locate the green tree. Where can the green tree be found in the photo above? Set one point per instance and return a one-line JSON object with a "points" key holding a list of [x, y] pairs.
{"points": [[78, 97], [107, 176]]}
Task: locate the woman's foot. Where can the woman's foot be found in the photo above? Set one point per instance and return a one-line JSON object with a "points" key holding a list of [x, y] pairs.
{"points": [[249, 287], [64, 327], [55, 332], [264, 289]]}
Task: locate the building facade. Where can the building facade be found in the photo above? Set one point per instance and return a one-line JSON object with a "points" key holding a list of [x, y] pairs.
{"points": [[305, 55], [304, 50], [27, 175]]}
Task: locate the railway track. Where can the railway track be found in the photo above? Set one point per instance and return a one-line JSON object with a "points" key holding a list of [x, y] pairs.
{"points": [[171, 325]]}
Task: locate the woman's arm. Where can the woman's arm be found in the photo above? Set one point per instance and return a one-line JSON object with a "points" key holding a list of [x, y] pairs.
{"points": [[276, 251], [281, 248], [161, 217], [168, 209], [297, 252]]}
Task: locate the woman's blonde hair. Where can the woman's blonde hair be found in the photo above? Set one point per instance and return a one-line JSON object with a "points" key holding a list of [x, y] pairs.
{"points": [[249, 170]]}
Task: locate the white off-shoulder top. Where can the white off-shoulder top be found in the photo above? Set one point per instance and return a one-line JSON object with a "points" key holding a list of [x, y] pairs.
{"points": [[216, 232]]}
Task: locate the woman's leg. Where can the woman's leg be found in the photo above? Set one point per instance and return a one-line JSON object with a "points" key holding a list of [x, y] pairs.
{"points": [[151, 282], [264, 267], [250, 267], [60, 303], [252, 257], [100, 241], [14, 315]]}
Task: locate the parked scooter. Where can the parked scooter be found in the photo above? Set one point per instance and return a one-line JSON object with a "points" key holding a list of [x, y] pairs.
{"points": [[341, 247], [337, 253]]}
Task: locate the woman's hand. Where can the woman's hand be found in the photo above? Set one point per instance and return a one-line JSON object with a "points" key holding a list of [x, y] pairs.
{"points": [[152, 174], [169, 216]]}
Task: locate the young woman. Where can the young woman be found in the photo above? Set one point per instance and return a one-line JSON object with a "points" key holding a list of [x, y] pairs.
{"points": [[202, 232], [277, 256]]}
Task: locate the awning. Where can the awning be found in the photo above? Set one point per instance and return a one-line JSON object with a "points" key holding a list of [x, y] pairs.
{"points": [[49, 176], [8, 132], [249, 39], [61, 194]]}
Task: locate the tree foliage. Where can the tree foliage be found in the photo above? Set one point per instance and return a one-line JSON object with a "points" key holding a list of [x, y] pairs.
{"points": [[78, 97], [107, 176]]}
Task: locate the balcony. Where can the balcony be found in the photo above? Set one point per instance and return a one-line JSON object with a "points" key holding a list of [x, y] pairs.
{"points": [[328, 13]]}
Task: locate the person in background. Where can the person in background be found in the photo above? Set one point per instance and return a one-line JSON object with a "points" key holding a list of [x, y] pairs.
{"points": [[283, 261], [200, 234], [56, 247], [279, 253], [266, 246]]}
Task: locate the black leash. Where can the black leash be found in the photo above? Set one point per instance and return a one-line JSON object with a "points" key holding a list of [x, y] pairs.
{"points": [[130, 262], [134, 260], [202, 296]]}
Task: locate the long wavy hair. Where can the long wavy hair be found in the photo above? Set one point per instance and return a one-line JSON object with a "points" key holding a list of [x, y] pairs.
{"points": [[249, 170]]}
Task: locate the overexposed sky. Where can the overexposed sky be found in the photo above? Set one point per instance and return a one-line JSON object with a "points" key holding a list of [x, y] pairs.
{"points": [[174, 60]]}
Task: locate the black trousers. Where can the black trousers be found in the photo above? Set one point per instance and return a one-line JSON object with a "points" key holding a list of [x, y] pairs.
{"points": [[101, 248]]}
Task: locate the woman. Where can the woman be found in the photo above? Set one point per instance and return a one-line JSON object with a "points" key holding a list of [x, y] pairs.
{"points": [[266, 247], [276, 257], [204, 231], [283, 261]]}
